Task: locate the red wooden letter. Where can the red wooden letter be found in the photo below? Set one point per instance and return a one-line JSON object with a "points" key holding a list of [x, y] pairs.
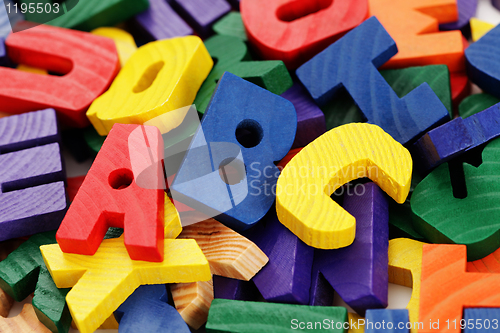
{"points": [[111, 197], [296, 30], [90, 61]]}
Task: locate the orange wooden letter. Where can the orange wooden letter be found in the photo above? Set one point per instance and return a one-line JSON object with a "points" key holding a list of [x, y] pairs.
{"points": [[446, 288], [414, 25]]}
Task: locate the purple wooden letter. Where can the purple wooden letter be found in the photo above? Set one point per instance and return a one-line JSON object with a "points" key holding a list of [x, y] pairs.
{"points": [[160, 21], [287, 276], [466, 10], [201, 14], [3, 53], [32, 193], [310, 119], [359, 272], [496, 3], [234, 289], [321, 291]]}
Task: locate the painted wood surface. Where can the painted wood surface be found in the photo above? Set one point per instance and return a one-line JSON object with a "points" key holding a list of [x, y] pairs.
{"points": [[414, 27], [147, 310], [233, 56], [90, 62], [446, 288], [295, 31], [251, 140], [365, 285], [100, 283], [336, 68], [160, 21], [246, 317], [366, 151], [287, 276], [91, 14], [24, 273], [457, 220], [405, 269], [126, 170], [151, 85], [483, 67]]}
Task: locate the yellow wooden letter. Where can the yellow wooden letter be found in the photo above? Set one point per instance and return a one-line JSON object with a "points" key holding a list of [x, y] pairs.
{"points": [[405, 269], [479, 28], [342, 154], [173, 226], [125, 43], [354, 318], [160, 77], [104, 281]]}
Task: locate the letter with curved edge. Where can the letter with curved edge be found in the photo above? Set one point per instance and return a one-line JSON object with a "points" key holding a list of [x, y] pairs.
{"points": [[125, 43], [244, 130], [147, 310], [232, 56], [295, 30], [405, 268], [340, 155], [159, 77], [91, 64], [441, 217], [483, 66], [414, 25]]}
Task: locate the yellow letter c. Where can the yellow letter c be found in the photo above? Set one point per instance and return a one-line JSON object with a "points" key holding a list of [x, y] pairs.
{"points": [[342, 154]]}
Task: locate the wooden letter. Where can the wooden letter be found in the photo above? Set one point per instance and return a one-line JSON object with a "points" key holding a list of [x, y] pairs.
{"points": [[441, 217], [152, 84], [483, 66], [414, 27], [447, 288], [294, 31], [110, 196], [336, 67], [237, 133], [343, 154], [147, 310], [32, 194], [89, 63], [250, 317], [24, 272], [228, 253], [363, 285], [104, 281], [405, 269]]}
